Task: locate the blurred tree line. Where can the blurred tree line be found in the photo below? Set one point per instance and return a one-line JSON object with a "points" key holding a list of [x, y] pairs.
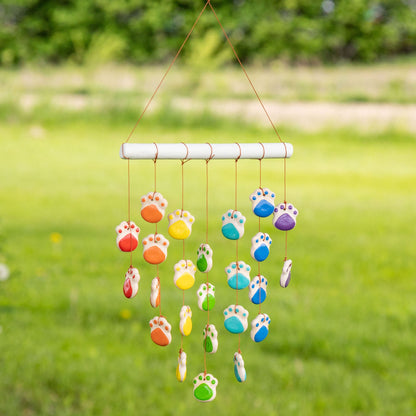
{"points": [[138, 31]]}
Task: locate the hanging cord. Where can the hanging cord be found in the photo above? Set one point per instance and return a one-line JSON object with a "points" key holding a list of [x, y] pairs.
{"points": [[264, 109], [258, 263], [235, 209], [236, 242], [129, 207], [160, 290], [183, 161], [206, 241], [260, 160], [206, 193], [167, 71], [154, 174]]}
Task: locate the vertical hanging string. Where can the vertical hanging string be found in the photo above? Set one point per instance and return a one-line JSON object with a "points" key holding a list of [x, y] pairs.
{"points": [[261, 189], [206, 241], [154, 175], [160, 290], [183, 246], [129, 207], [182, 196], [236, 242], [167, 71], [183, 161]]}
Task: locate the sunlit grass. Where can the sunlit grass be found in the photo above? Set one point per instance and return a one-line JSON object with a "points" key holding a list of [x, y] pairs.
{"points": [[341, 338]]}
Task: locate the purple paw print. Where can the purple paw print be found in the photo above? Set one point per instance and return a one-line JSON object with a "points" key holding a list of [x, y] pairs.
{"points": [[285, 218]]}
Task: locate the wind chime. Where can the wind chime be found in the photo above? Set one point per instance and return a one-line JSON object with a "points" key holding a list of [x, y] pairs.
{"points": [[180, 222]]}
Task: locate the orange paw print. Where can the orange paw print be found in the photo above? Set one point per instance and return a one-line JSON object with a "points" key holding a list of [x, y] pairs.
{"points": [[155, 248]]}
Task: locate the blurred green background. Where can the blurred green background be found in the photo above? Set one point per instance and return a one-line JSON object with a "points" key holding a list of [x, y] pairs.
{"points": [[339, 80]]}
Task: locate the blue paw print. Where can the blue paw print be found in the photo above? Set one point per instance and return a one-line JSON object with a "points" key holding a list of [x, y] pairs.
{"points": [[233, 224], [260, 327], [262, 202], [238, 276], [260, 246]]}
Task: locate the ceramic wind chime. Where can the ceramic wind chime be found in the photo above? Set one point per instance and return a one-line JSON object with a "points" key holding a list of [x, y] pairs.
{"points": [[179, 223]]}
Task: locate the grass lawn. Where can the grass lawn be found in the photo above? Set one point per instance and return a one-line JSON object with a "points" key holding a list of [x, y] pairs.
{"points": [[342, 335]]}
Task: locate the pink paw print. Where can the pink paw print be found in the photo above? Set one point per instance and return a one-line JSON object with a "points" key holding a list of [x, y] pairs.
{"points": [[127, 236]]}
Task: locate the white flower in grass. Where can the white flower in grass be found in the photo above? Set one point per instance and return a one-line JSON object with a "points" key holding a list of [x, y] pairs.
{"points": [[4, 272]]}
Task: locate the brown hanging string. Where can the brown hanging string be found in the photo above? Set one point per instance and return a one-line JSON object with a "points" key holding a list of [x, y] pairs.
{"points": [[265, 111], [167, 71], [154, 174], [258, 263], [160, 290], [285, 245], [129, 207], [236, 242], [206, 241], [183, 161], [255, 92]]}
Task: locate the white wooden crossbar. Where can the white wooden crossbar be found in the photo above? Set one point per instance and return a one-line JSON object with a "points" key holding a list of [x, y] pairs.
{"points": [[206, 151]]}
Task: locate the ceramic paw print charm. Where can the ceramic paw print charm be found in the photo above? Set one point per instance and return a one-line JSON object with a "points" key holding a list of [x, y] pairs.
{"points": [[262, 202], [153, 207], [185, 323], [181, 367], [233, 224], [180, 224], [235, 319], [210, 342], [205, 387], [131, 282], [160, 331], [184, 277], [127, 236], [286, 273], [284, 217], [155, 248], [155, 293], [204, 259], [260, 327], [239, 370], [260, 246]]}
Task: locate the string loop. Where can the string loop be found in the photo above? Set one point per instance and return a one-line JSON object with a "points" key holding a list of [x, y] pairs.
{"points": [[211, 156], [264, 151], [157, 153], [185, 159], [239, 147]]}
